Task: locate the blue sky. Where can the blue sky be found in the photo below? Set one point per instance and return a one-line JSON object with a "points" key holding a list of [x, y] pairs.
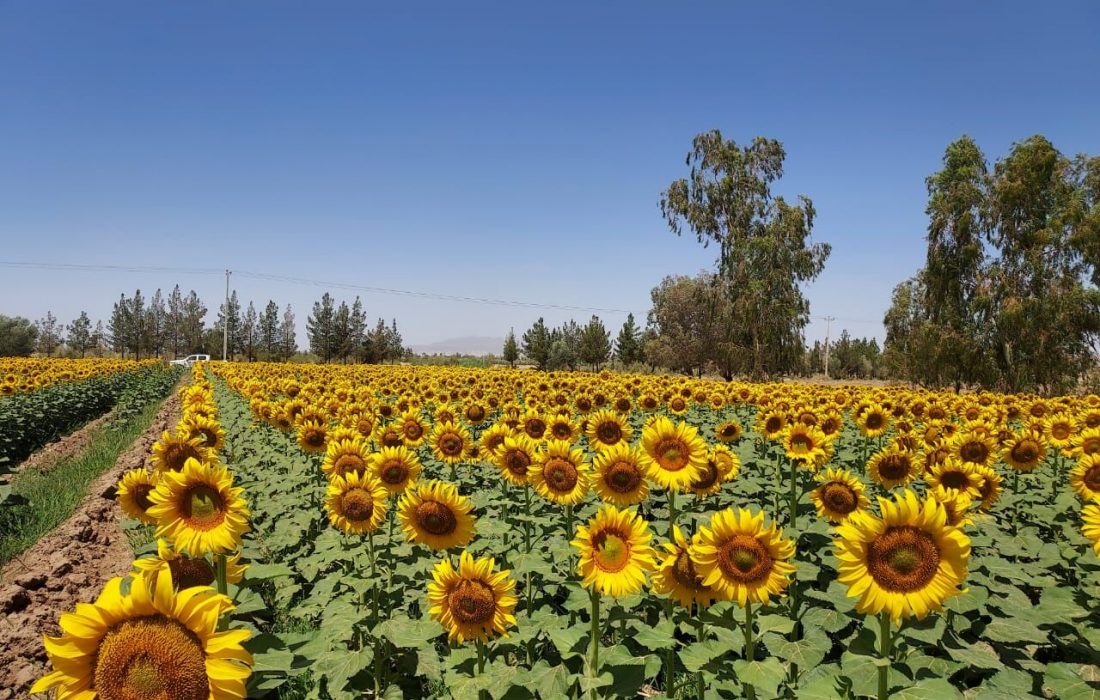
{"points": [[506, 150]]}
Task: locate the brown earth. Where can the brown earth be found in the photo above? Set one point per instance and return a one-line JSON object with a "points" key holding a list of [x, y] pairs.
{"points": [[63, 448], [69, 565]]}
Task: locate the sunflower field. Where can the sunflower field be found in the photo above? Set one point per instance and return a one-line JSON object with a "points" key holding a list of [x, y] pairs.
{"points": [[372, 531]]}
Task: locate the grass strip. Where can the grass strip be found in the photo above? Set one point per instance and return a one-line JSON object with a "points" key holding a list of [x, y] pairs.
{"points": [[53, 493]]}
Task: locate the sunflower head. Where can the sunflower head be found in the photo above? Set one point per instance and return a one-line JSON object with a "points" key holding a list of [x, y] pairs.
{"points": [[199, 510], [741, 558], [474, 601], [728, 432], [560, 473], [1085, 477], [133, 490], [839, 495], [356, 503], [342, 457], [892, 467], [186, 572], [953, 473], [677, 577], [675, 454], [620, 475], [173, 450], [1024, 451], [395, 468], [450, 442], [206, 428], [515, 457], [312, 436], [493, 439], [615, 552], [149, 642], [606, 428], [433, 513]]}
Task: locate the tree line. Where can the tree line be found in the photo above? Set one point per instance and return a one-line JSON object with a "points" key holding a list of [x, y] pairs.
{"points": [[341, 333], [571, 345]]}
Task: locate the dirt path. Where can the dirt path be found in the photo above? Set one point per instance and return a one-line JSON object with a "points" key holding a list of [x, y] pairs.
{"points": [[67, 566], [61, 448]]}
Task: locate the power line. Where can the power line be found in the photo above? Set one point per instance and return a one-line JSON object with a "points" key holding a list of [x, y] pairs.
{"points": [[311, 282]]}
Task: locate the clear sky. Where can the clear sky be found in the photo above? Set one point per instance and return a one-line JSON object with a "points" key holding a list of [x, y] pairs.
{"points": [[507, 150]]}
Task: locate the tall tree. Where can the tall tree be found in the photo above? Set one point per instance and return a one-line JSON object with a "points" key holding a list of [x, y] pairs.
{"points": [[319, 328], [49, 334], [341, 333], [395, 344], [156, 320], [137, 337], [764, 248], [510, 352], [692, 327], [357, 328], [229, 315], [99, 338], [595, 344], [269, 331], [288, 334], [249, 332], [536, 344], [194, 314], [17, 336], [628, 346], [118, 327], [174, 330], [80, 334]]}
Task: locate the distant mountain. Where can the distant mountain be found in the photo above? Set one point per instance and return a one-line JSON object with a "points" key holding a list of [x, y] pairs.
{"points": [[468, 345]]}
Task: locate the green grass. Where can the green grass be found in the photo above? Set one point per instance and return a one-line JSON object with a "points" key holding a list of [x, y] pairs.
{"points": [[53, 493]]}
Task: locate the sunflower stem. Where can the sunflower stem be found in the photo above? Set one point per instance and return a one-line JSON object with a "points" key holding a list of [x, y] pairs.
{"points": [[794, 495], [701, 634], [527, 519], [750, 648], [223, 585], [594, 643], [672, 513], [885, 650]]}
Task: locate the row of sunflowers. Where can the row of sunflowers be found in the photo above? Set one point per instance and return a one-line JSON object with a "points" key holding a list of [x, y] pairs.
{"points": [[25, 374]]}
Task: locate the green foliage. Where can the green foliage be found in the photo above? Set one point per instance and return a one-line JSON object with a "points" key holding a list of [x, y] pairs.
{"points": [[17, 336], [764, 249], [510, 352]]}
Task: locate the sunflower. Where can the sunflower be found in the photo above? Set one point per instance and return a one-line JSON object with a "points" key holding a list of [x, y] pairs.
{"points": [[356, 503], [173, 450], [720, 463], [1091, 528], [973, 446], [990, 491], [675, 454], [515, 457], [956, 474], [433, 513], [676, 576], [388, 435], [208, 429], [906, 563], [728, 431], [771, 424], [955, 503], [493, 439], [312, 436], [560, 473], [343, 457], [563, 427], [133, 494], [148, 644], [839, 495], [533, 424], [199, 509], [1085, 477], [412, 428], [805, 443], [1059, 429], [619, 475], [892, 467], [740, 558], [606, 428], [1024, 451], [873, 421], [615, 552], [395, 468], [185, 571], [450, 442], [473, 601], [1086, 442]]}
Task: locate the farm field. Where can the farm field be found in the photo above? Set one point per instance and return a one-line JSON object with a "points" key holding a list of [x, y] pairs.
{"points": [[428, 532]]}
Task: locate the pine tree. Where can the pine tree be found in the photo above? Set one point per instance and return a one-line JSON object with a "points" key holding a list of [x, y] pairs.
{"points": [[249, 333], [319, 328], [156, 324], [137, 337], [341, 333], [595, 344], [174, 332], [49, 334], [395, 345], [358, 330], [230, 315], [536, 344], [288, 335], [511, 351], [118, 327], [194, 312], [269, 331], [98, 341], [628, 346], [80, 332]]}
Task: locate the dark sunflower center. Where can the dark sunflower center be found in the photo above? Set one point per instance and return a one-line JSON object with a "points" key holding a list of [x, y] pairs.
{"points": [[610, 551], [472, 602], [391, 438], [1092, 478], [357, 505], [202, 507], [974, 451], [830, 426], [874, 421], [517, 462], [560, 474], [1061, 431], [678, 404], [1090, 446], [141, 495], [623, 477], [954, 480], [177, 454], [535, 428], [745, 560], [801, 442], [622, 405], [393, 471], [839, 497], [450, 444], [436, 518], [150, 657], [903, 559], [475, 414], [413, 430], [188, 572], [728, 431], [683, 570], [672, 454], [345, 464], [609, 432], [209, 436], [773, 424], [894, 467], [314, 437], [561, 431]]}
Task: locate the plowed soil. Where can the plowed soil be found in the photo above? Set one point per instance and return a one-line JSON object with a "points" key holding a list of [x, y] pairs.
{"points": [[67, 566]]}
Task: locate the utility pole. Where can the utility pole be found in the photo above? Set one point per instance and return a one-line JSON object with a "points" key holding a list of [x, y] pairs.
{"points": [[225, 321], [828, 327]]}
